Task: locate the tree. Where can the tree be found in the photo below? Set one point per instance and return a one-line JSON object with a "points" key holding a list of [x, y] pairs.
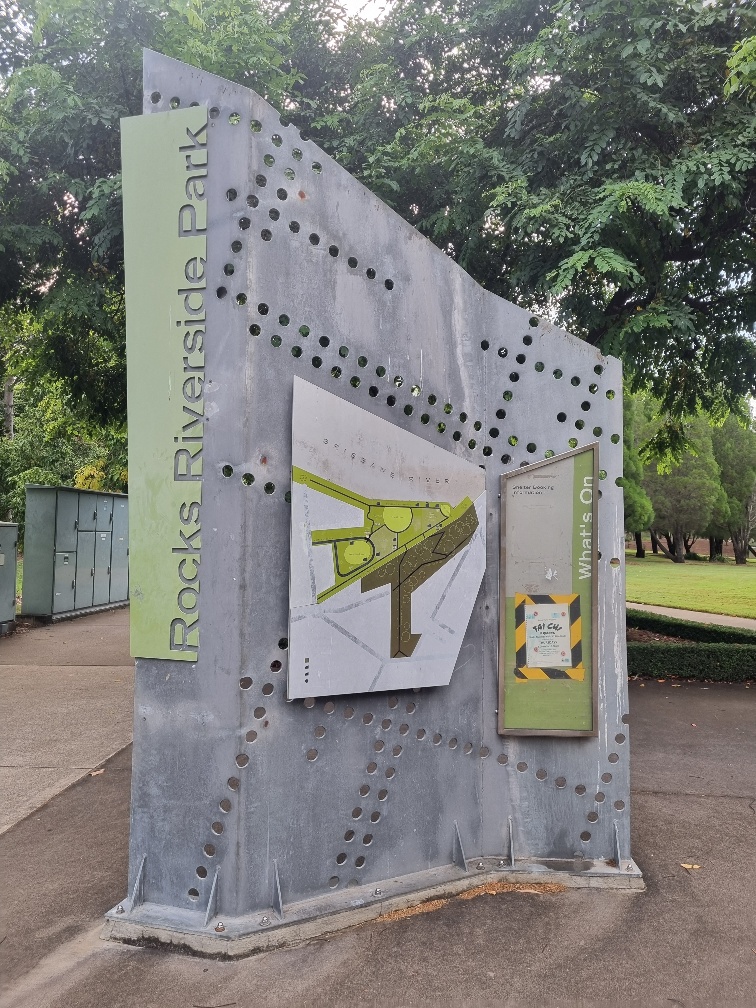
{"points": [[717, 530], [684, 493], [578, 158], [19, 336], [52, 446], [639, 512], [68, 73], [735, 452]]}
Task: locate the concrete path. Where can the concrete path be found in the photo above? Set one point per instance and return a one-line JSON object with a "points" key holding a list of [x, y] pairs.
{"points": [[696, 617], [66, 705], [688, 941]]}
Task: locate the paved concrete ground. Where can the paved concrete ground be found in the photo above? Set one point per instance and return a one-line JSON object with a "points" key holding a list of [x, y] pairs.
{"points": [[689, 940], [696, 617], [66, 705]]}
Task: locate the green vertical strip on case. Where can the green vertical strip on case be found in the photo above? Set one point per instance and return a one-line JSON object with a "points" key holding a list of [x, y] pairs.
{"points": [[584, 574], [165, 166]]}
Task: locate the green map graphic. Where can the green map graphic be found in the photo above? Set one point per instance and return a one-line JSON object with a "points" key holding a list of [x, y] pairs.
{"points": [[400, 543]]}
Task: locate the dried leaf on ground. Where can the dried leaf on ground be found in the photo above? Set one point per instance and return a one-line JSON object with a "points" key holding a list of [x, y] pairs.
{"points": [[489, 889]]}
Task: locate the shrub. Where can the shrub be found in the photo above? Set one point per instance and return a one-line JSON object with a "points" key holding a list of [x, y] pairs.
{"points": [[705, 633], [712, 662]]}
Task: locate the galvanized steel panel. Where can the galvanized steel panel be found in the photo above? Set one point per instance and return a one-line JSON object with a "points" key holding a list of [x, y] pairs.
{"points": [[238, 792]]}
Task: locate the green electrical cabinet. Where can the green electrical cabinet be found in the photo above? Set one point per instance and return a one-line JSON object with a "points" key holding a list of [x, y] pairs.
{"points": [[8, 541], [76, 550]]}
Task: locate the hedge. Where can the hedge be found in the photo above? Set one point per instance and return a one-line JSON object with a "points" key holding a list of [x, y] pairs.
{"points": [[712, 662], [705, 633]]}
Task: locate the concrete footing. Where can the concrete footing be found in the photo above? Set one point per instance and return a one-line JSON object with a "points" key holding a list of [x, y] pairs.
{"points": [[219, 937]]}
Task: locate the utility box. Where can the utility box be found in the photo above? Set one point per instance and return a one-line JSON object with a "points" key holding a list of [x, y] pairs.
{"points": [[76, 550], [8, 543]]}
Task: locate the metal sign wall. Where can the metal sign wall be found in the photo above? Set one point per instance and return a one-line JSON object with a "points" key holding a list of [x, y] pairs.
{"points": [[263, 280]]}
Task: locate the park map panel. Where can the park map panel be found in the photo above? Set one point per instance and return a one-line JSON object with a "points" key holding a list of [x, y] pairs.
{"points": [[387, 551]]}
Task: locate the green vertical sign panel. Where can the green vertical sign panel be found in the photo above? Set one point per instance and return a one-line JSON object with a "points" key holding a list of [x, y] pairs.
{"points": [[165, 166], [547, 655]]}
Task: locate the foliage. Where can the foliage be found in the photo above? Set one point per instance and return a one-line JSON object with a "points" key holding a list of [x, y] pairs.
{"points": [[741, 68], [68, 72], [706, 662], [704, 633], [51, 446], [685, 493], [734, 447], [578, 158], [639, 512]]}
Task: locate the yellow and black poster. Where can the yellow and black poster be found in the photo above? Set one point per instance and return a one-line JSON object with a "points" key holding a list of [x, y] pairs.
{"points": [[548, 637]]}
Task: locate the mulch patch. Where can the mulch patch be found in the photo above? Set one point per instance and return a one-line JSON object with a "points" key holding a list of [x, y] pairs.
{"points": [[649, 637]]}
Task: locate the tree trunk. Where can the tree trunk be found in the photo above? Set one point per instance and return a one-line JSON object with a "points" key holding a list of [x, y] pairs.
{"points": [[740, 545], [678, 540], [654, 543], [675, 546], [715, 547], [639, 551], [8, 416], [752, 550], [688, 540], [668, 553]]}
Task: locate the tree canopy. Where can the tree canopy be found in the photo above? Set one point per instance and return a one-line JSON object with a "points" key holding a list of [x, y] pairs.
{"points": [[579, 158], [69, 72], [734, 447], [685, 494], [708, 491], [639, 512]]}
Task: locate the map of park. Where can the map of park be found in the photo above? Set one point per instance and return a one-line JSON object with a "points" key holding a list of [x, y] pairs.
{"points": [[401, 543]]}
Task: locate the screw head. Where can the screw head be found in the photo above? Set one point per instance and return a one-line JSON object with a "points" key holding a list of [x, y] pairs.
{"points": [[119, 909], [264, 921], [377, 892], [502, 864], [480, 866], [220, 926]]}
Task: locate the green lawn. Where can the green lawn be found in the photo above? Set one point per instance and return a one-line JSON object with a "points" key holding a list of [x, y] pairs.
{"points": [[700, 586]]}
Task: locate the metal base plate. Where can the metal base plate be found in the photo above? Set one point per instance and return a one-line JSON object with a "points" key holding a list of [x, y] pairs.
{"points": [[73, 614], [231, 938]]}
